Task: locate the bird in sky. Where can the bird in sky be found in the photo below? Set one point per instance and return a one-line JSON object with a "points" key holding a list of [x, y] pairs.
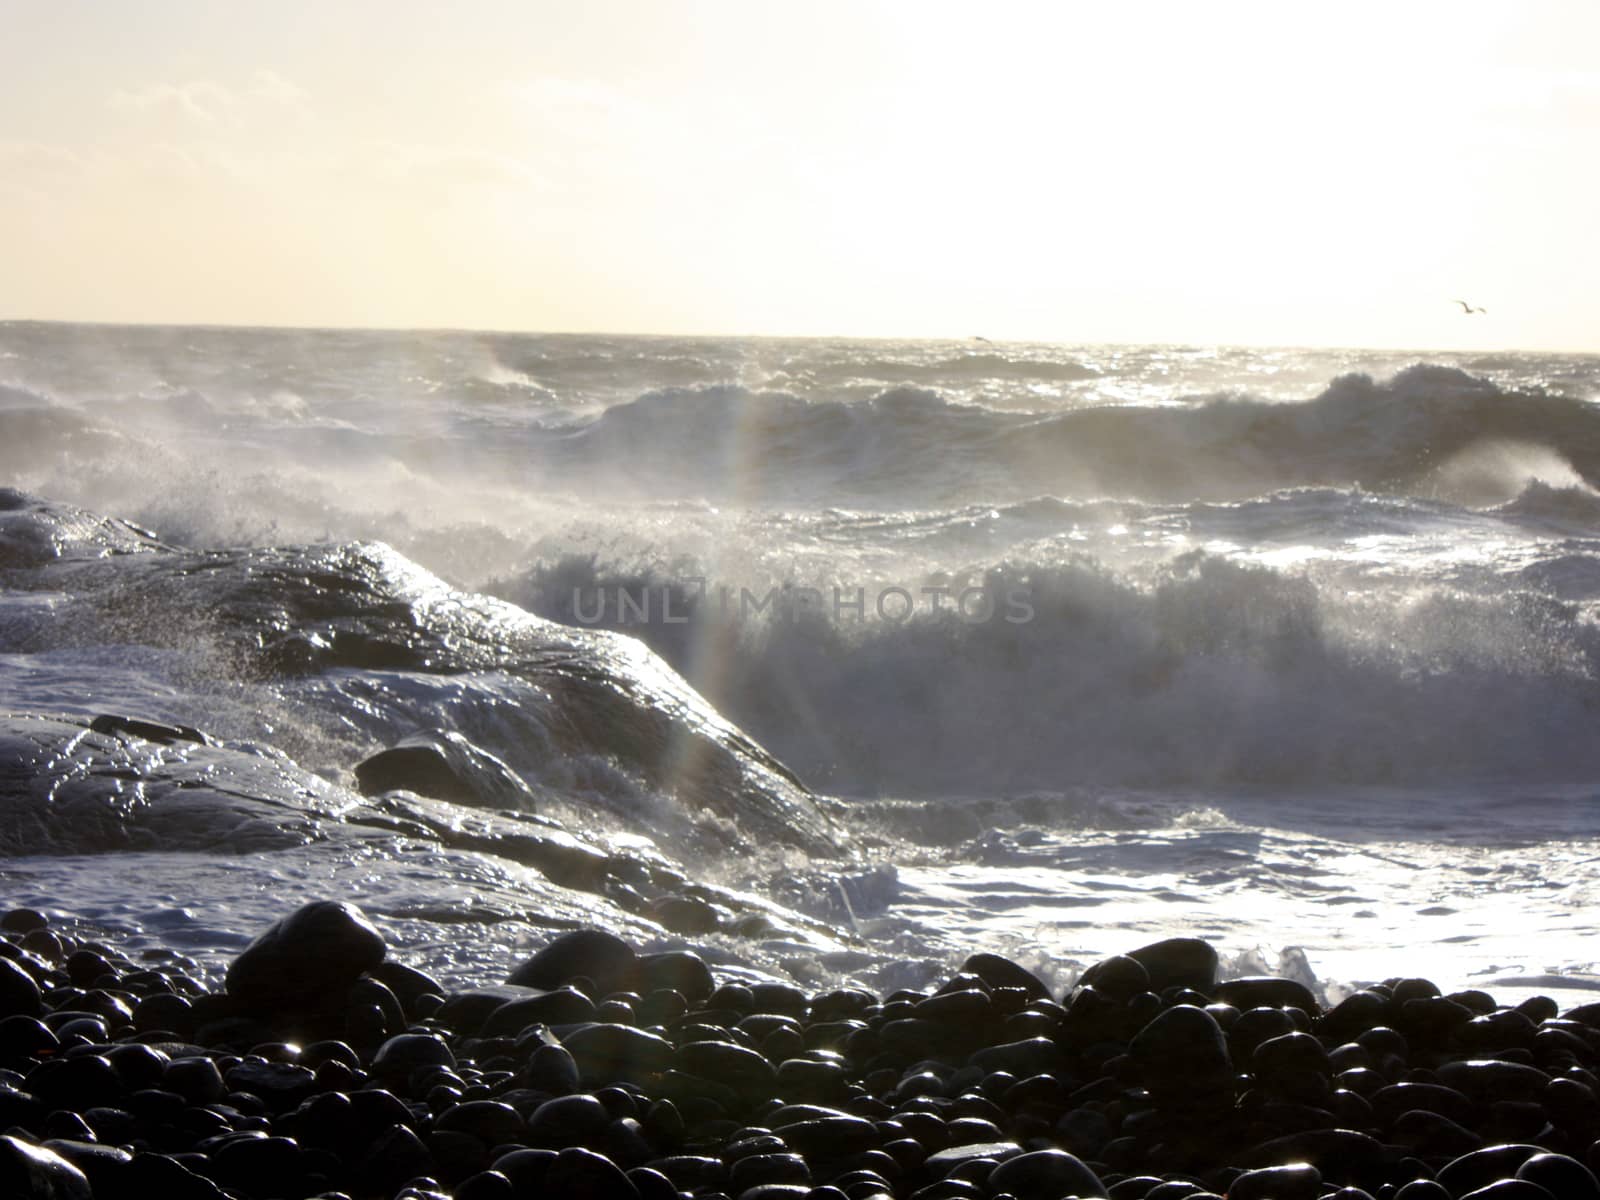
{"points": [[1468, 309]]}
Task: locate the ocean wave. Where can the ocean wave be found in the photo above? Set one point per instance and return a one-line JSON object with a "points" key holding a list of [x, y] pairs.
{"points": [[1205, 672], [1402, 436]]}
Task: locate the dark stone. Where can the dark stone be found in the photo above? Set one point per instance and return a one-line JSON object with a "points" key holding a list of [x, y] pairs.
{"points": [[490, 1121], [942, 1162], [579, 1174], [19, 994], [161, 1175], [1296, 1181], [603, 958], [197, 1080], [1266, 991], [567, 1121], [313, 955], [24, 1037], [618, 1053], [1183, 1052], [1512, 1189], [1031, 1056], [30, 1172], [1340, 1154], [262, 1166], [1295, 1065], [104, 1166], [692, 1171], [76, 1083], [563, 1006], [1118, 978], [732, 1065], [526, 1169], [1561, 1176], [279, 1086], [685, 914], [551, 1069], [1388, 1103], [652, 1184], [1002, 972], [1482, 1167], [485, 1185], [681, 971], [394, 1157], [1489, 1079], [1179, 962], [777, 1167], [407, 1052], [446, 766], [165, 1011], [1422, 1189], [831, 1137], [23, 920], [465, 1012], [1045, 1175]]}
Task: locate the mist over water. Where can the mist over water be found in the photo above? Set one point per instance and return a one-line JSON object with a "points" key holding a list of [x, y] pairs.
{"points": [[1249, 576]]}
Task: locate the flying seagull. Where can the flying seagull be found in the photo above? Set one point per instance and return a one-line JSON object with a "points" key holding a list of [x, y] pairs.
{"points": [[1468, 309]]}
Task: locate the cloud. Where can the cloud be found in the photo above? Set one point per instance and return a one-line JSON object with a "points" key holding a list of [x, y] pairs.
{"points": [[207, 103]]}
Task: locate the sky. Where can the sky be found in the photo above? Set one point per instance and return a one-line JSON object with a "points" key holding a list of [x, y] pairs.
{"points": [[1064, 171]]}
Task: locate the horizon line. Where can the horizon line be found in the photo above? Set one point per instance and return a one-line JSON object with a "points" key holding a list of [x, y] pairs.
{"points": [[963, 339]]}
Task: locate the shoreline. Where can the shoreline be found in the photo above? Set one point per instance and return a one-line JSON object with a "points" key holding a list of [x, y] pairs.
{"points": [[325, 1068]]}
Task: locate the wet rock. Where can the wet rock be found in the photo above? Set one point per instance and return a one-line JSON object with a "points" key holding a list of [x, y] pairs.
{"points": [[1266, 991], [197, 1080], [394, 1157], [1340, 1154], [1031, 1056], [1045, 1175], [24, 1037], [1118, 978], [1178, 962], [446, 766], [584, 1175], [831, 1136], [685, 914], [313, 955], [23, 920], [1561, 1176], [490, 1121], [76, 1083], [19, 994], [1511, 1189], [1002, 972], [279, 1086], [1297, 1181], [1183, 1053], [592, 954], [942, 1163], [404, 1053], [1422, 1189], [551, 1069], [732, 1065], [30, 1172], [1493, 1079], [755, 1169], [567, 1120], [104, 1166], [611, 1053], [681, 971], [564, 1006], [485, 1185]]}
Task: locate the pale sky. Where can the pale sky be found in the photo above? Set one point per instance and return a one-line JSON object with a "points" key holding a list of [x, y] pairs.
{"points": [[1202, 172]]}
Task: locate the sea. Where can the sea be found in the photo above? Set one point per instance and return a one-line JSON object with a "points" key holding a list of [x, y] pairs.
{"points": [[835, 659]]}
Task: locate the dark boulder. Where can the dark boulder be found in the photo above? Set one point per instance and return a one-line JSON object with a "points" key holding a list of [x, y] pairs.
{"points": [[444, 765], [307, 960]]}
